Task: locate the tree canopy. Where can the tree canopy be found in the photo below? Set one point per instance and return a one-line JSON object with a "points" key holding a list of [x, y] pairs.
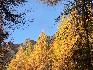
{"points": [[6, 15]]}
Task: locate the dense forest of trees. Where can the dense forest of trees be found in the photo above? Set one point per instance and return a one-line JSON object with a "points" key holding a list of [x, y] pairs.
{"points": [[68, 50], [71, 47]]}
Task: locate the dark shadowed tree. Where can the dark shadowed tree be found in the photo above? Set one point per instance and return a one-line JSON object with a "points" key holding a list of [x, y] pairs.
{"points": [[7, 16]]}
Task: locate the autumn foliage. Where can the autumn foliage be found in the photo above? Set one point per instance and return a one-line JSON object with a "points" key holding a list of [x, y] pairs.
{"points": [[68, 50]]}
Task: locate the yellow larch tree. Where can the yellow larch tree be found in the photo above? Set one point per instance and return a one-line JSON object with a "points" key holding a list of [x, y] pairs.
{"points": [[62, 45], [18, 62], [39, 58], [21, 60], [69, 44]]}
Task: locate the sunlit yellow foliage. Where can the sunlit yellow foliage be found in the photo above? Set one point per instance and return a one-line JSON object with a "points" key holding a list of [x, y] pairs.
{"points": [[67, 52], [39, 58], [63, 43], [70, 44], [32, 58], [19, 59]]}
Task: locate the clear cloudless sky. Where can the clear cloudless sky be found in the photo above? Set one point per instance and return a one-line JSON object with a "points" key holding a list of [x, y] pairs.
{"points": [[44, 20]]}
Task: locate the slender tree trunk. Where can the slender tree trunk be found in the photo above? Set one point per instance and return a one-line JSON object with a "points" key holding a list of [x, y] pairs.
{"points": [[1, 30]]}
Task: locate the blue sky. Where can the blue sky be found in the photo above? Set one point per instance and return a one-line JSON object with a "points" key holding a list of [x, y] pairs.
{"points": [[44, 20]]}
